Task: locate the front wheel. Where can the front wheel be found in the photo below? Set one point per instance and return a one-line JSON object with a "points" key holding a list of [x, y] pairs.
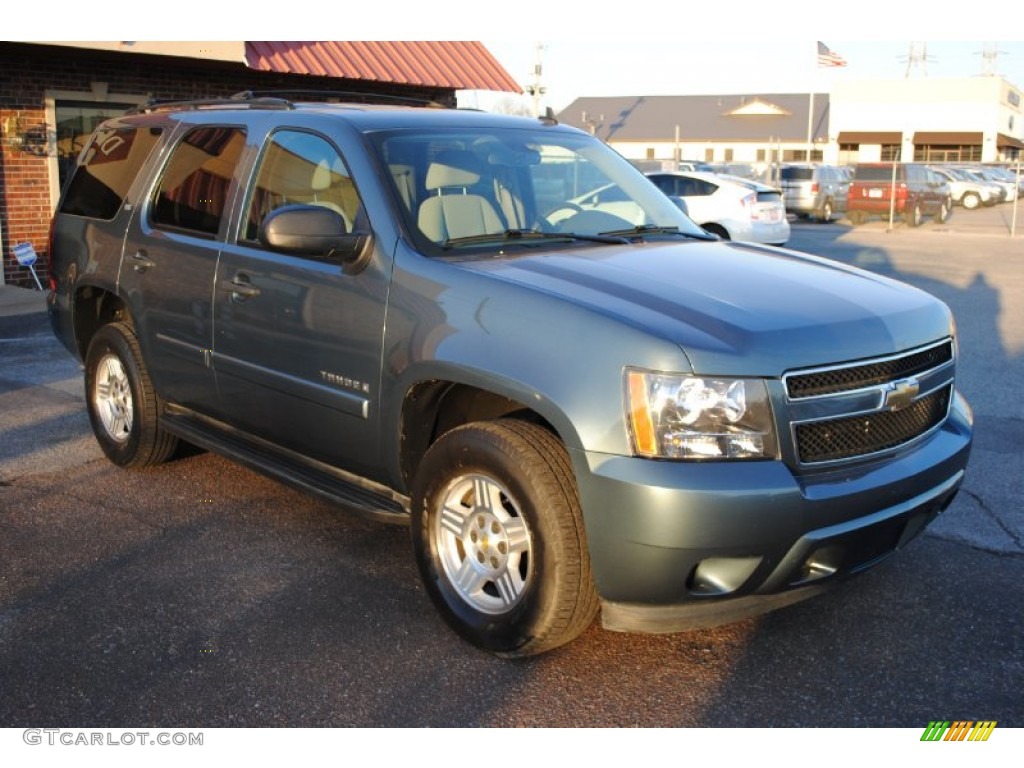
{"points": [[123, 406], [498, 535], [825, 214], [970, 200], [945, 209], [913, 216]]}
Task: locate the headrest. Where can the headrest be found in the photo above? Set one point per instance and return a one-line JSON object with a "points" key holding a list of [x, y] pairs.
{"points": [[454, 168], [321, 177]]}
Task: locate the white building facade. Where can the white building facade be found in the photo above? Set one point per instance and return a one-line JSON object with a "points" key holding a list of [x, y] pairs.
{"points": [[966, 119]]}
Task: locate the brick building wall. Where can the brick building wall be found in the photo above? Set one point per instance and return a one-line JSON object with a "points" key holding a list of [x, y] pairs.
{"points": [[28, 71]]}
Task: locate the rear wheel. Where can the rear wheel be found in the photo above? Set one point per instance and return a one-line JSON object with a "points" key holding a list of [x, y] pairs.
{"points": [[857, 217], [913, 216], [123, 406], [498, 535], [716, 229], [945, 209], [825, 213]]}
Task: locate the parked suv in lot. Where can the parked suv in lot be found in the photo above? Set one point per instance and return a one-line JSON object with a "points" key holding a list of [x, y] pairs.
{"points": [[969, 191], [909, 190], [400, 309], [814, 190]]}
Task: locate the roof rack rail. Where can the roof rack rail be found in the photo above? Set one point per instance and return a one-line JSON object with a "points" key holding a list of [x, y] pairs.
{"points": [[238, 100], [326, 95], [275, 99]]}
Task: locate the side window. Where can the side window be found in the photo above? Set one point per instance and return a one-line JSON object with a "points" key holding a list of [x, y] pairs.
{"points": [[666, 184], [193, 191], [299, 167], [687, 187], [107, 169], [703, 188]]}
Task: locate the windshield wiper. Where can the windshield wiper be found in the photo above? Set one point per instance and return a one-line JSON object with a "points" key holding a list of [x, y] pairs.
{"points": [[654, 229], [533, 234]]}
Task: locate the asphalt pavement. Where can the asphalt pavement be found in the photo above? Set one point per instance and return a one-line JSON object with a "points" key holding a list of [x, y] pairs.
{"points": [[199, 594]]}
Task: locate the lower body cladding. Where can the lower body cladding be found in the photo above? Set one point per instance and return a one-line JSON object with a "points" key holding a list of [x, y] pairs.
{"points": [[678, 546]]}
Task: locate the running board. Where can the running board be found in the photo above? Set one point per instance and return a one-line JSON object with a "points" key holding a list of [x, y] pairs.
{"points": [[364, 497]]}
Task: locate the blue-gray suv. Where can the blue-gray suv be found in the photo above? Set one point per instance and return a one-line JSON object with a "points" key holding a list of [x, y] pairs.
{"points": [[575, 411]]}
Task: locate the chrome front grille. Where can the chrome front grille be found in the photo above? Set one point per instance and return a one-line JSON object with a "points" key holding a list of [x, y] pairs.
{"points": [[835, 439], [824, 381], [844, 412]]}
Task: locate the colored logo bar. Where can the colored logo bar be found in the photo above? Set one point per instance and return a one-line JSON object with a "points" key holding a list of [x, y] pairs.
{"points": [[958, 730]]}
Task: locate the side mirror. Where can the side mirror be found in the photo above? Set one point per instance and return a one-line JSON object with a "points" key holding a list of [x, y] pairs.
{"points": [[316, 231]]}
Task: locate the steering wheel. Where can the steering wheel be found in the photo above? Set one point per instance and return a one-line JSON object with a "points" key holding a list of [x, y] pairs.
{"points": [[566, 206]]}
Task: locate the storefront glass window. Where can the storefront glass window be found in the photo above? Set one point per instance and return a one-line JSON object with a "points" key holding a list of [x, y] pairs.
{"points": [[75, 122]]}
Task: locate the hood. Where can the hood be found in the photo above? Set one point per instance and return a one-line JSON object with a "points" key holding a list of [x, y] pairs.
{"points": [[736, 309]]}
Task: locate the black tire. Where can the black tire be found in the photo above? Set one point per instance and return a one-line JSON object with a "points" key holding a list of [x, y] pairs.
{"points": [[913, 216], [970, 200], [495, 504], [123, 407], [825, 213], [856, 217], [945, 210]]}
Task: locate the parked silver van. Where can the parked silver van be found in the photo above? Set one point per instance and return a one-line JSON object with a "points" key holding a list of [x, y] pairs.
{"points": [[817, 191]]}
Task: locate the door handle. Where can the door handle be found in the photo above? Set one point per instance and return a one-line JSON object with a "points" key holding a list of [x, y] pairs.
{"points": [[141, 262], [240, 287]]}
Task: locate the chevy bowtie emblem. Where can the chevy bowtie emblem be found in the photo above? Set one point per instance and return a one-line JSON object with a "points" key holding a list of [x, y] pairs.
{"points": [[900, 394]]}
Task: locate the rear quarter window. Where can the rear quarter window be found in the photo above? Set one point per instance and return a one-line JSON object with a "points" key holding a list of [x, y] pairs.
{"points": [[192, 194], [797, 174], [874, 173], [106, 170]]}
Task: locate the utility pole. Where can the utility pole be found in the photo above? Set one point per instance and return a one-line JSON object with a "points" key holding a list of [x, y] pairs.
{"points": [[917, 58], [535, 89], [990, 60]]}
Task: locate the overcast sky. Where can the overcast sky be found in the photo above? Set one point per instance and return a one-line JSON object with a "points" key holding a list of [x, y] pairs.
{"points": [[621, 47], [572, 68]]}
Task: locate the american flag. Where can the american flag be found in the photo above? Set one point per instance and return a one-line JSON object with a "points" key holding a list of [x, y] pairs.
{"points": [[829, 58]]}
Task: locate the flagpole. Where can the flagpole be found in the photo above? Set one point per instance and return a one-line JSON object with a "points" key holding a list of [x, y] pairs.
{"points": [[810, 110], [810, 127]]}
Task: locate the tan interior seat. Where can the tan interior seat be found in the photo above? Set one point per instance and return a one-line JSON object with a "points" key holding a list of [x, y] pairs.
{"points": [[322, 188], [454, 211]]}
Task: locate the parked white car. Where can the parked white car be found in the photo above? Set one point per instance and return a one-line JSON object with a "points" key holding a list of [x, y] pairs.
{"points": [[1013, 183], [728, 206], [968, 191], [986, 174]]}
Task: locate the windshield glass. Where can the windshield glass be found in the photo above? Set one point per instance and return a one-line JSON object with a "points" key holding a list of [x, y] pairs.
{"points": [[456, 187]]}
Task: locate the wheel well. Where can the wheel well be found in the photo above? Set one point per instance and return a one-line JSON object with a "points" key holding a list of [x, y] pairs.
{"points": [[94, 308], [716, 229], [435, 407]]}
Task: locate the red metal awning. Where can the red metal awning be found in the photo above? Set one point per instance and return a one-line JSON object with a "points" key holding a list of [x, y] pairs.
{"points": [[948, 138], [870, 137], [461, 64], [1002, 141]]}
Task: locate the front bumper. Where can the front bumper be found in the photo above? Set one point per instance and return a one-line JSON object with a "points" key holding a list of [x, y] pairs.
{"points": [[678, 546]]}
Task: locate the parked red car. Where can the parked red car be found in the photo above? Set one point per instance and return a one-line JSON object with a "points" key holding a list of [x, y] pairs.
{"points": [[910, 190]]}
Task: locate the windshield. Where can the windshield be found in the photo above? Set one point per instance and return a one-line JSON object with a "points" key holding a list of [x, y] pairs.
{"points": [[497, 187]]}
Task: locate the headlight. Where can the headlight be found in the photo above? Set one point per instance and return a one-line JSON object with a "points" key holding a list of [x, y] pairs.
{"points": [[673, 416]]}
